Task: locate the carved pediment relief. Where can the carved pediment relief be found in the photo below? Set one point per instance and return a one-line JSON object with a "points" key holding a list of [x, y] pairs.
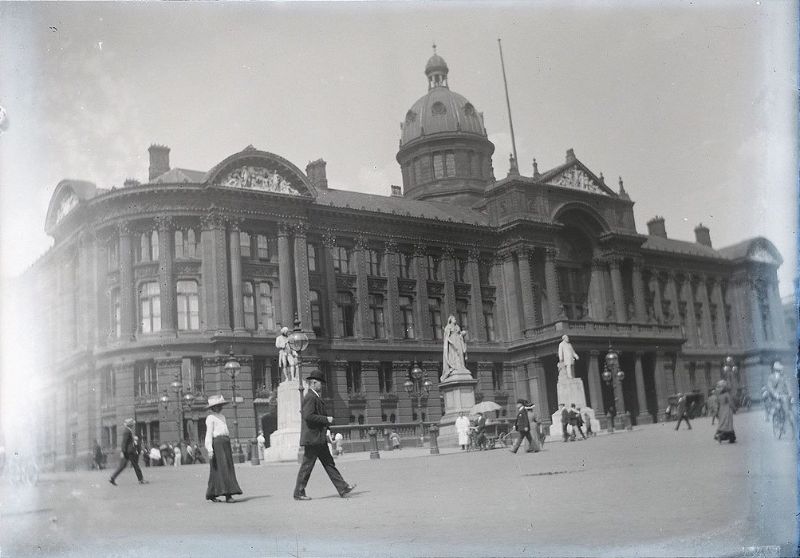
{"points": [[761, 254], [258, 178], [577, 179]]}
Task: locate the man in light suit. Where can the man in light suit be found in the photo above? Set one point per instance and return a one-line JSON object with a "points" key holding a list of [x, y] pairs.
{"points": [[129, 453], [314, 441]]}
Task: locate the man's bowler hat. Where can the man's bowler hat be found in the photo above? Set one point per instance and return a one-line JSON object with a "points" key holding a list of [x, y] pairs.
{"points": [[316, 375]]}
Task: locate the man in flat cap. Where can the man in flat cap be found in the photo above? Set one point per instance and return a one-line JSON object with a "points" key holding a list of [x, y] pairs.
{"points": [[129, 453], [314, 441]]}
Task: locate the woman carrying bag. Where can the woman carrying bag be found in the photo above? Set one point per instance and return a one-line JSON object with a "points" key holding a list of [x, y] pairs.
{"points": [[222, 476]]}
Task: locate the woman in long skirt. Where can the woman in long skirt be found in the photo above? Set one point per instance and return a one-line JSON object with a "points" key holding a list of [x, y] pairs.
{"points": [[222, 477], [725, 413]]}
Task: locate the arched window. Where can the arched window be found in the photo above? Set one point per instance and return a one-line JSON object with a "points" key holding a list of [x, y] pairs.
{"points": [[248, 300], [188, 306], [143, 250], [266, 311], [154, 246], [149, 307]]}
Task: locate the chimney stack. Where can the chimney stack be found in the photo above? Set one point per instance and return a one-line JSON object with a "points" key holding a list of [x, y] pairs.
{"points": [[655, 227], [702, 235], [159, 160], [570, 155], [397, 192], [130, 182], [315, 170]]}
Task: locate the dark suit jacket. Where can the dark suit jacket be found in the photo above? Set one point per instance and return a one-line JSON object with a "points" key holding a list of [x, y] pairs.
{"points": [[481, 425], [315, 421], [522, 423], [128, 445]]}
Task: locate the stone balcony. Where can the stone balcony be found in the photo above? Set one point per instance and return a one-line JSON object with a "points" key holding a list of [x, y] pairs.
{"points": [[603, 330]]}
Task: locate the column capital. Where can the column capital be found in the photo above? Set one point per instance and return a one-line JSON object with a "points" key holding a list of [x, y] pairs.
{"points": [[615, 262], [594, 353], [390, 247], [164, 223], [328, 238], [371, 365], [299, 228], [212, 221], [449, 253], [551, 253], [361, 242], [598, 263], [284, 229], [638, 263], [234, 223], [473, 253], [124, 228], [420, 250]]}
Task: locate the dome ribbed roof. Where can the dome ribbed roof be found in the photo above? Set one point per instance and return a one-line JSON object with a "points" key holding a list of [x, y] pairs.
{"points": [[441, 110], [436, 63]]}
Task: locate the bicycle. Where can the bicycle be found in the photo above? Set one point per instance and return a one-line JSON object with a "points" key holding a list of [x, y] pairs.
{"points": [[779, 422]]}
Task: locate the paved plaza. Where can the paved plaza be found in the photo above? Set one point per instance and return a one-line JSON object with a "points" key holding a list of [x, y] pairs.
{"points": [[648, 492]]}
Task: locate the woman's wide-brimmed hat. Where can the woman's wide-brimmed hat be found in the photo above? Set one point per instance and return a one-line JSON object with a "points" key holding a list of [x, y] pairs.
{"points": [[129, 422], [215, 400]]}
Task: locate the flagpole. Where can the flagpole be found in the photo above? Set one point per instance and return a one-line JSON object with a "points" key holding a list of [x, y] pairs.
{"points": [[508, 103]]}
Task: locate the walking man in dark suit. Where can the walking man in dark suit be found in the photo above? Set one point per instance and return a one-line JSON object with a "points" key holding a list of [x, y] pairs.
{"points": [[683, 413], [312, 437], [130, 453], [523, 426]]}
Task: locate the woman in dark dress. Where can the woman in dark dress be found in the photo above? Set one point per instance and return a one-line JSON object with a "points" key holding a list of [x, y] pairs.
{"points": [[725, 413], [222, 476]]}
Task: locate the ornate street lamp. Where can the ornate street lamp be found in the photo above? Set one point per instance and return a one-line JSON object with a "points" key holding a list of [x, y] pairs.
{"points": [[184, 400], [298, 342], [417, 384], [611, 370], [729, 369], [232, 368]]}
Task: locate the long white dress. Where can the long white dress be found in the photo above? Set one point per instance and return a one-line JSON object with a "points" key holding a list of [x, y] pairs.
{"points": [[462, 428]]}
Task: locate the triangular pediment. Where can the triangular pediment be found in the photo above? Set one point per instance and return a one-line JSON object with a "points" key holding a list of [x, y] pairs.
{"points": [[577, 177]]}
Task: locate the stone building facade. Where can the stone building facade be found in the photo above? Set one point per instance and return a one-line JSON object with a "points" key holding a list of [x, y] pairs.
{"points": [[153, 283]]}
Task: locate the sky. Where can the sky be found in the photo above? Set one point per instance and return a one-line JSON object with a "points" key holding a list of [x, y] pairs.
{"points": [[692, 103]]}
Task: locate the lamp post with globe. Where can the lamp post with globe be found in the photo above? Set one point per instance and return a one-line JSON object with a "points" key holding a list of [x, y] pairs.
{"points": [[613, 376], [417, 384], [232, 368], [298, 342]]}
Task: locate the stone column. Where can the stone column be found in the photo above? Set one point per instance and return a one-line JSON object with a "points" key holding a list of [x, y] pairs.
{"points": [[502, 330], [716, 296], [691, 322], [551, 278], [87, 301], [126, 288], [755, 311], [478, 332], [101, 292], [341, 413], [638, 292], [708, 332], [392, 291], [301, 280], [597, 306], [644, 417], [215, 274], [165, 276], [364, 331], [658, 305], [620, 312], [526, 284], [421, 303], [369, 383], [235, 248], [512, 304], [660, 377], [731, 298], [595, 385], [329, 244], [448, 268], [285, 276]]}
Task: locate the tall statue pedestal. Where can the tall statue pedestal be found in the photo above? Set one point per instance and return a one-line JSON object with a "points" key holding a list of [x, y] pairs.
{"points": [[458, 391], [284, 443], [569, 391]]}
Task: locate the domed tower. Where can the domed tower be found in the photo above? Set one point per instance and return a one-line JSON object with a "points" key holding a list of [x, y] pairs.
{"points": [[444, 152]]}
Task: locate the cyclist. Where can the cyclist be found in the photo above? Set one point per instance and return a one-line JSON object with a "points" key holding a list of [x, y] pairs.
{"points": [[778, 391]]}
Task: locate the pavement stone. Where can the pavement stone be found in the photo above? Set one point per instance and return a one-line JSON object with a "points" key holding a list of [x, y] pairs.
{"points": [[651, 491]]}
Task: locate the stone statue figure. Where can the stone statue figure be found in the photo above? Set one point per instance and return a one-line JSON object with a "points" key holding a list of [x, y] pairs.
{"points": [[454, 349], [287, 357], [566, 357]]}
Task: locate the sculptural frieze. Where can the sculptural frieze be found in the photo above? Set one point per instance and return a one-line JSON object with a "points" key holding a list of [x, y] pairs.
{"points": [[259, 178], [577, 179], [67, 204]]}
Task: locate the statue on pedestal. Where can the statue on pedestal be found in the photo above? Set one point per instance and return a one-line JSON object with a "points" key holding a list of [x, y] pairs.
{"points": [[287, 357], [454, 349], [566, 358]]}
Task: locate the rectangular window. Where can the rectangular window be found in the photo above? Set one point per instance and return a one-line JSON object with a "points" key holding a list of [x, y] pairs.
{"points": [[145, 378], [188, 306], [248, 301], [498, 381], [460, 270], [346, 314], [407, 316], [433, 268], [385, 378], [462, 313], [438, 165], [404, 265], [435, 311], [109, 386], [113, 254], [154, 246], [311, 250], [179, 252], [116, 314], [142, 250], [316, 312], [450, 164], [192, 374], [261, 381], [266, 311], [263, 247], [354, 377], [376, 316], [375, 263], [150, 307], [341, 259], [488, 320], [244, 244]]}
